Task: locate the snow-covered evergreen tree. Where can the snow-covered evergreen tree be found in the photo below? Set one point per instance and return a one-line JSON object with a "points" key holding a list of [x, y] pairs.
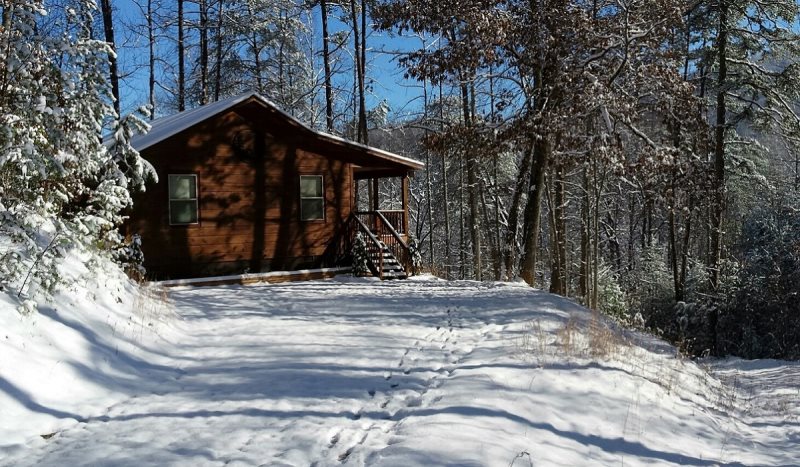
{"points": [[60, 184], [360, 256], [416, 256]]}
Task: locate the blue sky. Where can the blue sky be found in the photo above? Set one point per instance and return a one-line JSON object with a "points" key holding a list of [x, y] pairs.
{"points": [[403, 95]]}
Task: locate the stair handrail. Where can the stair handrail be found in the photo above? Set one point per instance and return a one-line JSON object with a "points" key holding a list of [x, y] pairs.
{"points": [[391, 229], [377, 243], [401, 213], [405, 257]]}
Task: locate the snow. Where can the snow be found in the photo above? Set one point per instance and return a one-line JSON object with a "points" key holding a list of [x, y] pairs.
{"points": [[362, 372], [77, 353]]}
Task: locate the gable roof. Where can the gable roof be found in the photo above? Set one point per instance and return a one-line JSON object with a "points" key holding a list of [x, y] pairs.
{"points": [[165, 127]]}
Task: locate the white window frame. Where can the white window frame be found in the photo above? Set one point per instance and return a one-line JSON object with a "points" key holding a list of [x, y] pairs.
{"points": [[322, 186], [195, 199]]}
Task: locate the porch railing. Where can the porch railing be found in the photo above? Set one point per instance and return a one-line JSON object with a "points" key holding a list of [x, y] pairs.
{"points": [[391, 237], [381, 231], [397, 219], [374, 246]]}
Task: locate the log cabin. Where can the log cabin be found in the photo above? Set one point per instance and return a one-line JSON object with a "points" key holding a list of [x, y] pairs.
{"points": [[244, 187]]}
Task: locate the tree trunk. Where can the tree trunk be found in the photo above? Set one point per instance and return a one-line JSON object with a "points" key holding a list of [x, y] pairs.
{"points": [[203, 52], [533, 210], [558, 276], [631, 265], [447, 232], [687, 237], [497, 236], [472, 186], [584, 273], [181, 62], [428, 183], [510, 253], [595, 243], [326, 60], [719, 149], [357, 42], [218, 58], [462, 244], [256, 54], [151, 39], [718, 208], [108, 26], [673, 249]]}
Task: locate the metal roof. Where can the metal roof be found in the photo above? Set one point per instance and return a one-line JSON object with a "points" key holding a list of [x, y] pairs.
{"points": [[166, 127]]}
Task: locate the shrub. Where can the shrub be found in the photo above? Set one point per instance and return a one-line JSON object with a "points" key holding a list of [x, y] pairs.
{"points": [[650, 290], [360, 256], [762, 317]]}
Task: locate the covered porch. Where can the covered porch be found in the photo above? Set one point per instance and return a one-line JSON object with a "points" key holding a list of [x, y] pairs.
{"points": [[380, 198]]}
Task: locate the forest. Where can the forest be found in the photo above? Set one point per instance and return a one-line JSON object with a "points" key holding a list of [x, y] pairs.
{"points": [[639, 157]]}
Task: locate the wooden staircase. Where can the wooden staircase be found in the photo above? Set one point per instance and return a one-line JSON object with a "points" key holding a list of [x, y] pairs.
{"points": [[390, 267], [388, 256]]}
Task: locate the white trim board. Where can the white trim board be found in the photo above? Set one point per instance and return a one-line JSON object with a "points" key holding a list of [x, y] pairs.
{"points": [[247, 277]]}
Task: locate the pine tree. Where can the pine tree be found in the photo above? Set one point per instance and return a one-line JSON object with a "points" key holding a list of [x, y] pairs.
{"points": [[61, 185], [360, 256], [748, 52]]}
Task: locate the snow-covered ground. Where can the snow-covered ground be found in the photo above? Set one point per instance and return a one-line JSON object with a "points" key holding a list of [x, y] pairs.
{"points": [[359, 372]]}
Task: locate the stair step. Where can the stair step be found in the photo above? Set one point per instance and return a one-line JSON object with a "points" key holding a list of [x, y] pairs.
{"points": [[395, 276]]}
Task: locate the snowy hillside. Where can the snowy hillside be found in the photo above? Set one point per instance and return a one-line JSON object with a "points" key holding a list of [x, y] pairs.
{"points": [[359, 372], [91, 345]]}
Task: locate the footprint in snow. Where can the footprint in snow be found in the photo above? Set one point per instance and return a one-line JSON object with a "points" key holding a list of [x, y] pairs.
{"points": [[414, 401]]}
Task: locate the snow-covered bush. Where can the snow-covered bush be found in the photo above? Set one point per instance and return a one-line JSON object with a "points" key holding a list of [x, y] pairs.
{"points": [[360, 256], [416, 255], [611, 298], [650, 290], [762, 318], [131, 257], [61, 185], [692, 326]]}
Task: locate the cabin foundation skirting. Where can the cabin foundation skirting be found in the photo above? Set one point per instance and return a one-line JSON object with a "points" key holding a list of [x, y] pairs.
{"points": [[189, 270], [267, 277]]}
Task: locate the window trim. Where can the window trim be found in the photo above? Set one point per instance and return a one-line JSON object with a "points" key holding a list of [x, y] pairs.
{"points": [[196, 198], [322, 197]]}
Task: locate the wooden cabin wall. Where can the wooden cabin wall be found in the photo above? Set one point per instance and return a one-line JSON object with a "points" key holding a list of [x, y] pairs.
{"points": [[248, 165]]}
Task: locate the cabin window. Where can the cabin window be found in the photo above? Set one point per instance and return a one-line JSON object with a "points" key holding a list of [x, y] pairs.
{"points": [[312, 201], [183, 199]]}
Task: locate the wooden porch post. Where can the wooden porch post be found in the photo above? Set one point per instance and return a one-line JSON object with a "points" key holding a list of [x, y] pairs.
{"points": [[404, 193], [355, 196], [375, 201]]}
